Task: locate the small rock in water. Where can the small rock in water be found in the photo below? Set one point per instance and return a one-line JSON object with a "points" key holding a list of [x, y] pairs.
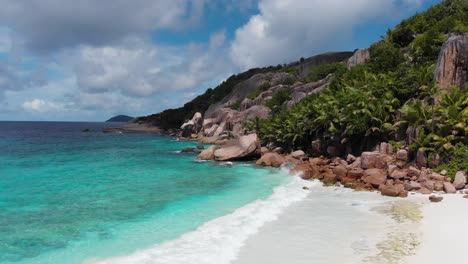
{"points": [[305, 188], [465, 196], [435, 199], [187, 150], [85, 130], [200, 147]]}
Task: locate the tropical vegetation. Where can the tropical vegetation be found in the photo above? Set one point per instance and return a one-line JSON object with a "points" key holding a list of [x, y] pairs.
{"points": [[391, 97]]}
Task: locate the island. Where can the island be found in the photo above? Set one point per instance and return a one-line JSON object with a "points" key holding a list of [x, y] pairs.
{"points": [[120, 118]]}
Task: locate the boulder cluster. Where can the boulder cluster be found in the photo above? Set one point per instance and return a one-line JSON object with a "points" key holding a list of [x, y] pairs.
{"points": [[390, 173]]}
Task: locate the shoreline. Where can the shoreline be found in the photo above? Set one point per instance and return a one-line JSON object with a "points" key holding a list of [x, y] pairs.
{"points": [[398, 231], [217, 240], [417, 242]]}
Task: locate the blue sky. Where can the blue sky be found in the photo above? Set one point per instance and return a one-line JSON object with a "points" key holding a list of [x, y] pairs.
{"points": [[88, 60]]}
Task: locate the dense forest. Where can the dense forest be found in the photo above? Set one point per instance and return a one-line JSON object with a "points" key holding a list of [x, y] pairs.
{"points": [[392, 97]]}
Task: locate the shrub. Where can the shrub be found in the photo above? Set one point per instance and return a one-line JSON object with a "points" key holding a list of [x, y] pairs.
{"points": [[279, 98], [322, 71], [236, 105]]}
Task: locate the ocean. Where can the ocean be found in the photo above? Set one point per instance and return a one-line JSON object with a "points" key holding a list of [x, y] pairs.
{"points": [[72, 197], [68, 196]]}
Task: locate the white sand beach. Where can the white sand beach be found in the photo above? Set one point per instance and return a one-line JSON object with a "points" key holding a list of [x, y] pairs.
{"points": [[337, 225], [444, 235]]}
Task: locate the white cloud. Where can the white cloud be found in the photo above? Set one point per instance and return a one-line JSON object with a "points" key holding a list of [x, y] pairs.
{"points": [[5, 40], [217, 39], [138, 68], [285, 30], [47, 25], [39, 105]]}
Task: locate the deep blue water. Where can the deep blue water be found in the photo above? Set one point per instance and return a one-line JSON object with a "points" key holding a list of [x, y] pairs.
{"points": [[67, 196]]}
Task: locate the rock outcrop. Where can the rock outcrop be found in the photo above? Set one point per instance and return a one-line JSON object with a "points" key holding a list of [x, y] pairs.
{"points": [[361, 56], [240, 148], [391, 174], [271, 159], [460, 180], [452, 65], [232, 121], [193, 126], [208, 154]]}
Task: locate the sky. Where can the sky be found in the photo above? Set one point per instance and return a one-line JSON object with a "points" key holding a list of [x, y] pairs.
{"points": [[88, 60]]}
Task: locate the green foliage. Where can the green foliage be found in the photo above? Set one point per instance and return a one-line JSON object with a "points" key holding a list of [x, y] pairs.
{"points": [[291, 70], [458, 161], [389, 97], [288, 81], [385, 56], [236, 105], [429, 29], [396, 144], [427, 46], [322, 71], [279, 98]]}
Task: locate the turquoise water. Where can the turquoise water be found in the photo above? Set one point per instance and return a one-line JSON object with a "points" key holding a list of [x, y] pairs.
{"points": [[68, 196]]}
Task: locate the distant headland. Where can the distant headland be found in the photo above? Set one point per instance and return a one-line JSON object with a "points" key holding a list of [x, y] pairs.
{"points": [[120, 118]]}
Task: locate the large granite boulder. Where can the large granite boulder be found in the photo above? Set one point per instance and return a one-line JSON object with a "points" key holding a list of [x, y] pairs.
{"points": [[246, 104], [376, 177], [452, 65], [192, 126], [229, 120], [460, 180], [271, 159], [393, 190], [448, 188], [208, 154], [371, 160], [240, 148], [306, 170], [340, 171], [361, 56]]}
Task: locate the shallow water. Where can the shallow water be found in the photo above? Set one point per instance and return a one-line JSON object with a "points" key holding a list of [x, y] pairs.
{"points": [[68, 196]]}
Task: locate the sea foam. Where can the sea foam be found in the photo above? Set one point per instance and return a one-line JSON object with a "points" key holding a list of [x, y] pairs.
{"points": [[219, 240]]}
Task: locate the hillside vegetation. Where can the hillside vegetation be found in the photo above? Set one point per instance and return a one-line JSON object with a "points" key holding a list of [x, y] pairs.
{"points": [[392, 97]]}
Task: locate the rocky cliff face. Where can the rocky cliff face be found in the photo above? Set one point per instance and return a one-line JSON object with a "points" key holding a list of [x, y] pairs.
{"points": [[245, 88], [361, 56], [220, 118], [452, 65]]}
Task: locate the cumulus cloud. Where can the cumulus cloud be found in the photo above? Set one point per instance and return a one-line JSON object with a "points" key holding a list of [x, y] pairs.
{"points": [[47, 25], [39, 105], [287, 29], [138, 68]]}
